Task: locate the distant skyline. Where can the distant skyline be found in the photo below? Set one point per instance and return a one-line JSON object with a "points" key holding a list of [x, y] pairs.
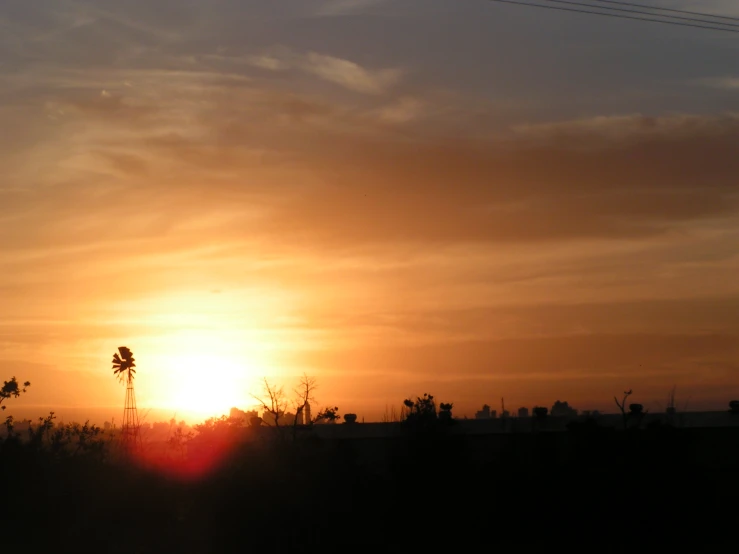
{"points": [[470, 199]]}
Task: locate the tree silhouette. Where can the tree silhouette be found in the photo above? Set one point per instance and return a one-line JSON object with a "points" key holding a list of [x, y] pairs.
{"points": [[622, 406], [636, 411], [327, 414], [273, 402], [178, 441], [11, 389], [9, 424], [421, 413], [563, 409], [445, 413], [303, 397]]}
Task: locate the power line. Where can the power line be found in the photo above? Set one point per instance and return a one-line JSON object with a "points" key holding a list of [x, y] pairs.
{"points": [[694, 20], [667, 9], [617, 15], [655, 15]]}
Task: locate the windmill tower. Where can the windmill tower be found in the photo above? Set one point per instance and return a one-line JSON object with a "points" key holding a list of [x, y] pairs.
{"points": [[123, 367]]}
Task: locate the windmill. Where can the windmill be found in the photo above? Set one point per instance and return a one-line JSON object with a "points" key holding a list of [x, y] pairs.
{"points": [[123, 368]]}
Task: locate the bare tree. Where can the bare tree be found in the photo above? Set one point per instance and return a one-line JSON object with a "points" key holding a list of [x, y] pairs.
{"points": [[636, 411], [273, 402], [672, 401], [303, 397], [622, 406], [390, 415]]}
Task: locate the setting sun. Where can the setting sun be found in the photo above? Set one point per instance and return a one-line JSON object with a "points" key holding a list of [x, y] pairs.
{"points": [[200, 374], [207, 385]]}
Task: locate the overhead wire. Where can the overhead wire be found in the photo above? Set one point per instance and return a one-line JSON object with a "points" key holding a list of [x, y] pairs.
{"points": [[620, 16], [692, 19], [673, 10]]}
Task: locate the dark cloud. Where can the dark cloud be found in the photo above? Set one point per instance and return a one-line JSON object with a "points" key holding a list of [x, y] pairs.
{"points": [[549, 358], [515, 191], [694, 315]]}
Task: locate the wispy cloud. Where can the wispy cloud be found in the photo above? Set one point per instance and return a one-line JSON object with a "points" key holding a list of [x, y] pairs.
{"points": [[404, 110], [346, 7], [630, 127], [89, 12], [351, 75], [273, 63], [726, 83], [342, 72]]}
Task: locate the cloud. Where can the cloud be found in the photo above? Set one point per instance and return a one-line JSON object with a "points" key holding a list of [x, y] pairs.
{"points": [[586, 370], [347, 7], [537, 187], [609, 178], [623, 177], [345, 73], [630, 128], [539, 319], [404, 110], [725, 83], [272, 63], [351, 75], [139, 26], [629, 354]]}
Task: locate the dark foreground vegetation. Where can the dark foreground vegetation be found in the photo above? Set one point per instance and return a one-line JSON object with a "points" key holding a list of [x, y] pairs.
{"points": [[238, 487], [428, 489]]}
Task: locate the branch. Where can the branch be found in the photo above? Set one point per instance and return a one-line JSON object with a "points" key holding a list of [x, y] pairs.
{"points": [[275, 404]]}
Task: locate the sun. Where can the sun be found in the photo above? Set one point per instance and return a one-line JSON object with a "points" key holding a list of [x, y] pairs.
{"points": [[205, 385], [201, 368]]}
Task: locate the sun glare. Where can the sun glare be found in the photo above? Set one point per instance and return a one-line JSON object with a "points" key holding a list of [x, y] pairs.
{"points": [[206, 385], [202, 374], [210, 352]]}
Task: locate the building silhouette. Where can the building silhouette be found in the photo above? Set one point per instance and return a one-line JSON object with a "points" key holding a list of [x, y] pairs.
{"points": [[486, 413], [241, 415]]}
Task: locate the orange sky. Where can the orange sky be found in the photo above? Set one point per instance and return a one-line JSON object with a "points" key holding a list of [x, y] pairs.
{"points": [[394, 201]]}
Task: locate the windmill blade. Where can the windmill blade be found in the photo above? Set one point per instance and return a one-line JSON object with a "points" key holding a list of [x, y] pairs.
{"points": [[123, 364]]}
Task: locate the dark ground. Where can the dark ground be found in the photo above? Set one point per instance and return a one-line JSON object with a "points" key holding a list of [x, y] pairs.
{"points": [[587, 489]]}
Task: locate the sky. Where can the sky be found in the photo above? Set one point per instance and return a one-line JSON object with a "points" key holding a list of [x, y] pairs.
{"points": [[466, 198]]}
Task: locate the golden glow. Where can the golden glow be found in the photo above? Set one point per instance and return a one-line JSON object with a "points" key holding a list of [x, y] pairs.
{"points": [[234, 210], [199, 374], [205, 384]]}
